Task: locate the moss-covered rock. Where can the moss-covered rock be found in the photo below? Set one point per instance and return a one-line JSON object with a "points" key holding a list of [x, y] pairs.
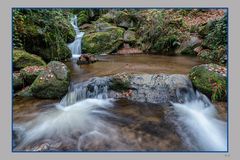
{"points": [[23, 59], [30, 73], [120, 82], [43, 32], [18, 81], [211, 80], [103, 42], [52, 82]]}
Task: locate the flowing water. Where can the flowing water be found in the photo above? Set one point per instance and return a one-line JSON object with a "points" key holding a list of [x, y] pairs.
{"points": [[75, 46], [91, 121]]}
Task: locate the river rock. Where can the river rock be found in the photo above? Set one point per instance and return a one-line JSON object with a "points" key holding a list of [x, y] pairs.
{"points": [[86, 59], [18, 81], [211, 80], [52, 82], [23, 59], [30, 73], [151, 88], [104, 41]]}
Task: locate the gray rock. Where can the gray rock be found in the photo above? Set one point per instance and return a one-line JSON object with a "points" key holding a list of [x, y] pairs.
{"points": [[156, 88], [151, 88], [188, 46]]}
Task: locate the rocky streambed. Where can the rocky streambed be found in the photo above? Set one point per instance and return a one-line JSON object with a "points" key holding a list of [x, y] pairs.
{"points": [[117, 111]]}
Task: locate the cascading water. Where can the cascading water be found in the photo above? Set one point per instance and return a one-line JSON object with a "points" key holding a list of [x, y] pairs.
{"points": [[75, 46], [82, 120], [198, 122]]}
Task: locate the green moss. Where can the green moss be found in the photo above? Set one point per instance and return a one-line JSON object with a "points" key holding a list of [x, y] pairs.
{"points": [[23, 59], [103, 42], [43, 32], [49, 87], [209, 82], [83, 17], [217, 35], [214, 56], [119, 85], [30, 73], [188, 51], [165, 43]]}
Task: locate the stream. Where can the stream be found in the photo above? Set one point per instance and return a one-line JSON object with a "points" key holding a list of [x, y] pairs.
{"points": [[87, 122], [105, 124]]}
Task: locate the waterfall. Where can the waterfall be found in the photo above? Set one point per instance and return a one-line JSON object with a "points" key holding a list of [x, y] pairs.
{"points": [[199, 124], [93, 88], [75, 46]]}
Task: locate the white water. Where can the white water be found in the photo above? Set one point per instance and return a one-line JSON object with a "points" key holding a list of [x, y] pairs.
{"points": [[82, 109], [62, 122], [200, 126], [76, 45]]}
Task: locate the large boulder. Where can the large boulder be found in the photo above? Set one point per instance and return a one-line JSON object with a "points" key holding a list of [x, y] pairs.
{"points": [[43, 32], [151, 88], [23, 59], [105, 41], [211, 80], [18, 81], [30, 73], [52, 82]]}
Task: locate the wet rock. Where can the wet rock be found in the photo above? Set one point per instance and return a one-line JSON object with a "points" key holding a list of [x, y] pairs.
{"points": [[86, 59], [211, 80], [52, 82], [23, 59], [18, 81], [151, 88]]}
